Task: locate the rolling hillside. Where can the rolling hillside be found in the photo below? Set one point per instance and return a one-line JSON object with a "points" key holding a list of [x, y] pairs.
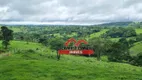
{"points": [[138, 31], [137, 48], [42, 65]]}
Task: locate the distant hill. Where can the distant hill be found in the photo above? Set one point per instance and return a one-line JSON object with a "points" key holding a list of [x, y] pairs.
{"points": [[116, 24], [111, 24]]}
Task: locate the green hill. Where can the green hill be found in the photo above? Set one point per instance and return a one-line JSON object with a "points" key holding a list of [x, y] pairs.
{"points": [[138, 31], [98, 34], [41, 65], [137, 48], [116, 24]]}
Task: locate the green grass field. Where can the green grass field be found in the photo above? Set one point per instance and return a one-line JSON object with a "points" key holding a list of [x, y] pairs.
{"points": [[16, 29], [98, 34], [137, 48], [138, 31], [42, 65], [22, 45]]}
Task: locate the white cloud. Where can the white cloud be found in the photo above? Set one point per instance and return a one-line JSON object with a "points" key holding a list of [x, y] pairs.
{"points": [[70, 11]]}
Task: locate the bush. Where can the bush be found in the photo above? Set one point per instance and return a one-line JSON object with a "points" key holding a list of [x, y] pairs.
{"points": [[139, 37], [30, 51], [2, 51], [119, 51], [25, 51], [137, 60]]}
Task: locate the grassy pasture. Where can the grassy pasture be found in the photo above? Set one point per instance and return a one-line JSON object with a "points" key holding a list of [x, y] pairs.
{"points": [[137, 48], [138, 31], [40, 65], [98, 34], [43, 65]]}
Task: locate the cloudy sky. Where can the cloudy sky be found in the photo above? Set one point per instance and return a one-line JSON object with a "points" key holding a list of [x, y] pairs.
{"points": [[69, 11]]}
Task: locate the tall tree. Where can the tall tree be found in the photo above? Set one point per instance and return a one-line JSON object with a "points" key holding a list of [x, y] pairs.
{"points": [[100, 46], [56, 43], [7, 35], [119, 51]]}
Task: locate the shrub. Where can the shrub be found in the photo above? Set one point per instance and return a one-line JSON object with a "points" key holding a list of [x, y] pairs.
{"points": [[137, 60], [25, 51]]}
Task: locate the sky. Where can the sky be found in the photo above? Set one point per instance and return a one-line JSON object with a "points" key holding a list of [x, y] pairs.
{"points": [[68, 12]]}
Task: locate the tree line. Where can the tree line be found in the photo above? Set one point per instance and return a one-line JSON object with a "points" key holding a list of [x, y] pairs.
{"points": [[115, 51]]}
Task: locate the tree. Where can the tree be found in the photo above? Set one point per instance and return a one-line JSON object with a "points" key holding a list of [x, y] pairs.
{"points": [[7, 35], [56, 43], [100, 46], [119, 51], [137, 60], [27, 38], [139, 37], [120, 32], [43, 41], [129, 32]]}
